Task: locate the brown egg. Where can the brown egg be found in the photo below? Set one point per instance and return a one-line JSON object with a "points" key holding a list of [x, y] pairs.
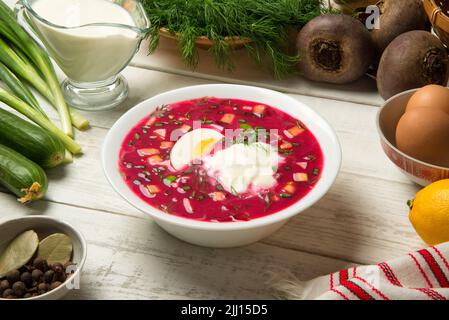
{"points": [[431, 96], [423, 133]]}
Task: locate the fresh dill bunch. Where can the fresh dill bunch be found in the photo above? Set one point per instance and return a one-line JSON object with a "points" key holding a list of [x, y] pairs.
{"points": [[264, 22]]}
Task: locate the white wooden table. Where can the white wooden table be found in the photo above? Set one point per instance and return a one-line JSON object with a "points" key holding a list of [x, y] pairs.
{"points": [[362, 220]]}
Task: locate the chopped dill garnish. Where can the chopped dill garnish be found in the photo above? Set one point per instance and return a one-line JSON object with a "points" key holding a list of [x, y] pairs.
{"points": [[266, 23]]}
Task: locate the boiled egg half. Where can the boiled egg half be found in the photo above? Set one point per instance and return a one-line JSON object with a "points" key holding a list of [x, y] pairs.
{"points": [[193, 146]]}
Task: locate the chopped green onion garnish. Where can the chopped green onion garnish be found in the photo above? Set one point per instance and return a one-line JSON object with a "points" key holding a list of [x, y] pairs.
{"points": [[169, 179], [285, 195], [245, 126]]}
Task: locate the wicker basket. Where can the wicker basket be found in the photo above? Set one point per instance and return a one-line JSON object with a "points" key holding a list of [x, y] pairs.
{"points": [[437, 11]]}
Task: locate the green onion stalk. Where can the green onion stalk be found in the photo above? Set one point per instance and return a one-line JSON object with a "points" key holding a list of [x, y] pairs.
{"points": [[18, 88], [9, 58], [34, 115], [78, 120], [6, 32], [68, 157], [11, 30], [20, 65]]}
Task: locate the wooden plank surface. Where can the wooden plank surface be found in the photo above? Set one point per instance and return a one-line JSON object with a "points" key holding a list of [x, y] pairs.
{"points": [[132, 258], [128, 255], [361, 210], [363, 219]]}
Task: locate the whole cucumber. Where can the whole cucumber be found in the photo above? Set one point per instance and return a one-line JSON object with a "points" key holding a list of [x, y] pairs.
{"points": [[21, 176], [30, 140]]}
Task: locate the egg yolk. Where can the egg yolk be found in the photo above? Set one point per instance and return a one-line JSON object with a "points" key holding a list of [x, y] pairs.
{"points": [[204, 147]]}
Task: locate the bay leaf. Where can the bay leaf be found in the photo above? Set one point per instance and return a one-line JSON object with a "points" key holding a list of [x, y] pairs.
{"points": [[56, 248], [18, 252]]}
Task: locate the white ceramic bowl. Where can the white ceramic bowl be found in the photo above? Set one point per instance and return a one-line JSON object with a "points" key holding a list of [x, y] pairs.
{"points": [[232, 234], [44, 226]]}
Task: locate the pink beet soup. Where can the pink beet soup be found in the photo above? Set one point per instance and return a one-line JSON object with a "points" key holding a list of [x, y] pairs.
{"points": [[145, 164]]}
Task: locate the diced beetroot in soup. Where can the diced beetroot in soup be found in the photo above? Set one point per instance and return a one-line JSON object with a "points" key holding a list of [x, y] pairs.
{"points": [[188, 192]]}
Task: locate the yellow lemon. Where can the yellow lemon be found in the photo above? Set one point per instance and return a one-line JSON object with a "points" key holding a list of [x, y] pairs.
{"points": [[429, 213]]}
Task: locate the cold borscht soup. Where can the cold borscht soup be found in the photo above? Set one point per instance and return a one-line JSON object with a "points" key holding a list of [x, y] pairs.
{"points": [[220, 160]]}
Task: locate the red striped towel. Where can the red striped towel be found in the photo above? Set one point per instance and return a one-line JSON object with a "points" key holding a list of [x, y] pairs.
{"points": [[422, 275]]}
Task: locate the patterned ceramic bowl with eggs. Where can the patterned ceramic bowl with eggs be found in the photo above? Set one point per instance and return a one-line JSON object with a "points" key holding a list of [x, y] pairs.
{"points": [[388, 117]]}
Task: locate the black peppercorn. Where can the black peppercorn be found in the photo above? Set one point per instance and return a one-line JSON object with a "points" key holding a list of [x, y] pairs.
{"points": [[37, 274], [60, 277], [38, 263], [19, 289], [54, 285], [33, 289], [26, 278], [57, 268], [4, 284], [13, 276], [23, 269], [27, 295], [45, 266], [7, 293], [42, 288], [48, 276]]}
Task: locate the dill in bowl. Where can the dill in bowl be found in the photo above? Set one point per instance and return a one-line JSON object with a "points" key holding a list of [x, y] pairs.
{"points": [[261, 25]]}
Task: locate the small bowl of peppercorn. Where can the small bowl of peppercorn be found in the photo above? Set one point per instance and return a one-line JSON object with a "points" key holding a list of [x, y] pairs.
{"points": [[41, 258]]}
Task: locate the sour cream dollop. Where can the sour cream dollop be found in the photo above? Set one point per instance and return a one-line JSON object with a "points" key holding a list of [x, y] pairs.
{"points": [[244, 168]]}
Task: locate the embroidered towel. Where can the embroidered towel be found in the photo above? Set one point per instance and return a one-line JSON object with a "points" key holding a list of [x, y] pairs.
{"points": [[421, 275]]}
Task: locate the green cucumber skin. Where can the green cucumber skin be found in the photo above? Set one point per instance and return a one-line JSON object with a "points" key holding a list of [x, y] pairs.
{"points": [[18, 173], [30, 140]]}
